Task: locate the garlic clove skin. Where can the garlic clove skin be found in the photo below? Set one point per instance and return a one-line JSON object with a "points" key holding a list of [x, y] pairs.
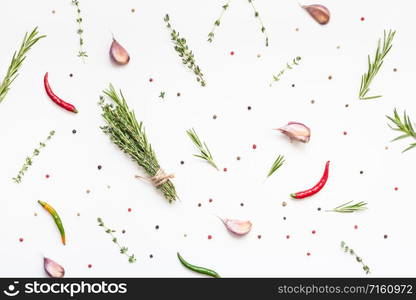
{"points": [[237, 227], [52, 268], [318, 12], [118, 54], [296, 131]]}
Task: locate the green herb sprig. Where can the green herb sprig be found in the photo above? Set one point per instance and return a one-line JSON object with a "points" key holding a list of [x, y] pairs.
{"points": [[359, 259], [187, 56], [374, 66], [129, 135], [289, 66], [81, 53], [403, 125], [205, 154], [29, 159], [18, 57], [123, 250], [218, 21], [347, 208], [276, 165], [162, 95], [262, 28]]}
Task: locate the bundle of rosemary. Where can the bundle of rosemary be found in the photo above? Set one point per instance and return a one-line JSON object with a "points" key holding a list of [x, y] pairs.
{"points": [[130, 136]]}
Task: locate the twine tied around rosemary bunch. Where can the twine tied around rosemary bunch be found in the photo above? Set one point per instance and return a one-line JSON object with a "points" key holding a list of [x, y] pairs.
{"points": [[158, 179]]}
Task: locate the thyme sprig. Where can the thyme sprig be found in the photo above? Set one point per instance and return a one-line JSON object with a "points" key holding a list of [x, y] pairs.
{"points": [[29, 160], [405, 126], [18, 57], [205, 154], [276, 165], [262, 28], [187, 56], [352, 252], [347, 208], [375, 65], [218, 21], [289, 66], [130, 136], [123, 250], [81, 53]]}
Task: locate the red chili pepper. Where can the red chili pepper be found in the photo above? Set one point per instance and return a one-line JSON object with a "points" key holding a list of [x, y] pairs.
{"points": [[316, 188], [55, 98]]}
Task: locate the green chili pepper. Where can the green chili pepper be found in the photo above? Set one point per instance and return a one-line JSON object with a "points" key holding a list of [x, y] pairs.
{"points": [[56, 218], [198, 269]]}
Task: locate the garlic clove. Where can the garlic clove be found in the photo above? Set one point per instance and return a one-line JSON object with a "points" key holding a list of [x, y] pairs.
{"points": [[52, 268], [318, 12], [296, 131], [237, 227], [118, 54]]}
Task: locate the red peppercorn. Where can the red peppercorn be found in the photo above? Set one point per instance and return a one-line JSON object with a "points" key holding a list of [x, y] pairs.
{"points": [[362, 19], [313, 231], [288, 237], [308, 254], [209, 237], [396, 188], [47, 176], [355, 227], [90, 266], [210, 200], [232, 53], [345, 133], [151, 80], [129, 209], [225, 169], [20, 239], [254, 146]]}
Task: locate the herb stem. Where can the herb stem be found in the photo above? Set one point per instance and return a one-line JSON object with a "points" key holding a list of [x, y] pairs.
{"points": [[81, 53], [218, 21], [405, 126], [357, 258], [205, 154], [289, 66], [262, 27], [346, 208]]}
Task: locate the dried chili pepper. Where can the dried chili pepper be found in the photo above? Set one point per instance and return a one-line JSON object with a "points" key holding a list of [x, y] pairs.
{"points": [[56, 218], [316, 188], [56, 99], [198, 269]]}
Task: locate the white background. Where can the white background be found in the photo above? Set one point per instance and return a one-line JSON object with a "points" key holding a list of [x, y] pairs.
{"points": [[233, 83]]}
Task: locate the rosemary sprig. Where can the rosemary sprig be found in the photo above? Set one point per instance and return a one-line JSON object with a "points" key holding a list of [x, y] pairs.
{"points": [[405, 126], [289, 66], [352, 252], [218, 21], [346, 208], [81, 53], [130, 136], [17, 60], [375, 65], [123, 250], [262, 28], [202, 147], [29, 159], [276, 165], [187, 56]]}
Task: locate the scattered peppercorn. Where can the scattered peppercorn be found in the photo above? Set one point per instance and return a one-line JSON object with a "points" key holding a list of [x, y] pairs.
{"points": [[21, 240], [361, 172], [296, 29], [346, 105], [151, 256], [78, 214], [394, 70], [232, 53], [209, 237], [319, 209], [254, 146], [99, 167], [259, 236], [199, 204], [35, 214], [238, 157], [312, 101], [210, 200], [308, 254], [178, 94], [214, 117], [362, 18], [47, 176], [133, 10], [89, 266], [88, 191], [182, 162], [396, 188], [284, 203], [241, 204], [225, 169], [53, 11], [284, 218], [74, 131], [355, 227], [385, 236], [249, 107], [157, 227], [123, 231], [293, 85], [313, 231], [329, 77], [345, 133], [287, 236], [151, 80], [70, 74], [129, 209]]}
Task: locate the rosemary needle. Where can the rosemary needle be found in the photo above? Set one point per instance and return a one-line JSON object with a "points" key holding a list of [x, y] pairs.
{"points": [[346, 208], [405, 126], [276, 165], [18, 57], [205, 154]]}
